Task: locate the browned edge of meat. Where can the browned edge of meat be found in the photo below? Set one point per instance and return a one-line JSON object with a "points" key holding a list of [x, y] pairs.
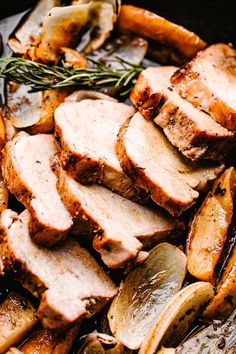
{"points": [[195, 137], [138, 175], [145, 99], [42, 229], [68, 281], [208, 81]]}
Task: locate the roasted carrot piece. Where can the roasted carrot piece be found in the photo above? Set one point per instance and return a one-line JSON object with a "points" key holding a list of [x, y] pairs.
{"points": [[152, 26]]}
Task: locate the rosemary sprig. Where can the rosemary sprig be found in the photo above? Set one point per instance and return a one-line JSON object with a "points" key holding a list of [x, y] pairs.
{"points": [[43, 77]]}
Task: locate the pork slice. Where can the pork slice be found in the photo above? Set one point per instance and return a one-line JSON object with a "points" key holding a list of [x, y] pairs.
{"points": [[87, 132], [68, 281], [27, 173], [192, 131], [155, 165], [208, 81], [119, 227]]}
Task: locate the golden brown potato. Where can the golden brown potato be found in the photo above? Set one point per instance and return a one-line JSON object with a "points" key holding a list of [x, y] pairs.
{"points": [[3, 195], [51, 99], [49, 342], [17, 319], [208, 231], [73, 59], [224, 301], [152, 26], [32, 111]]}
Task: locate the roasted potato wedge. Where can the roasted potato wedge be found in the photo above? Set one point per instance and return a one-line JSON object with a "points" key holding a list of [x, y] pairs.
{"points": [[49, 342], [17, 319], [152, 26], [224, 301], [208, 231], [33, 111], [50, 101], [100, 343], [73, 59]]}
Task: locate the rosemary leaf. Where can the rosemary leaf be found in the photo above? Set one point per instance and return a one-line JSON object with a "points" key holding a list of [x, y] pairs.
{"points": [[41, 77]]}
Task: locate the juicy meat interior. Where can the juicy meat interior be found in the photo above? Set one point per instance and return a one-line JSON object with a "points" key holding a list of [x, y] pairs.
{"points": [[155, 165], [87, 131], [208, 81], [118, 226], [27, 173], [68, 281]]}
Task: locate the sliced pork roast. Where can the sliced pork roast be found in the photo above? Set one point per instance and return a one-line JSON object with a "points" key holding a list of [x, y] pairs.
{"points": [[192, 131], [119, 227], [87, 132], [68, 281], [27, 173], [155, 165], [209, 82]]}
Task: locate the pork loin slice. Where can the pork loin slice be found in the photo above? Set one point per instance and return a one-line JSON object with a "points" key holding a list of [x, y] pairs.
{"points": [[87, 131], [119, 227], [68, 281], [155, 165], [209, 82], [192, 131], [27, 173]]}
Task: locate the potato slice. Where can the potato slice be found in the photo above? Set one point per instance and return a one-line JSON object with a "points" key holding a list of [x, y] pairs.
{"points": [[17, 319], [152, 26], [145, 291], [177, 316], [209, 228], [61, 28], [100, 343], [29, 29], [224, 301], [34, 111], [49, 342], [51, 99], [3, 195]]}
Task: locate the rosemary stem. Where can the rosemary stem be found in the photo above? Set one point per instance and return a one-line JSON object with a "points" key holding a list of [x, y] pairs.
{"points": [[41, 77]]}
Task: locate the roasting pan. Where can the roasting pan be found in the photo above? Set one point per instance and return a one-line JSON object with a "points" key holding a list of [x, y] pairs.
{"points": [[213, 20]]}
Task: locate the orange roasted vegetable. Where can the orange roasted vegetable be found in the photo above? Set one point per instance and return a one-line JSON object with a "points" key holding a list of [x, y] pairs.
{"points": [[152, 26]]}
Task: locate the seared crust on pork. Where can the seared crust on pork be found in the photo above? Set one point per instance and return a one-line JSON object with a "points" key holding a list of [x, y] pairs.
{"points": [[28, 175], [192, 131]]}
